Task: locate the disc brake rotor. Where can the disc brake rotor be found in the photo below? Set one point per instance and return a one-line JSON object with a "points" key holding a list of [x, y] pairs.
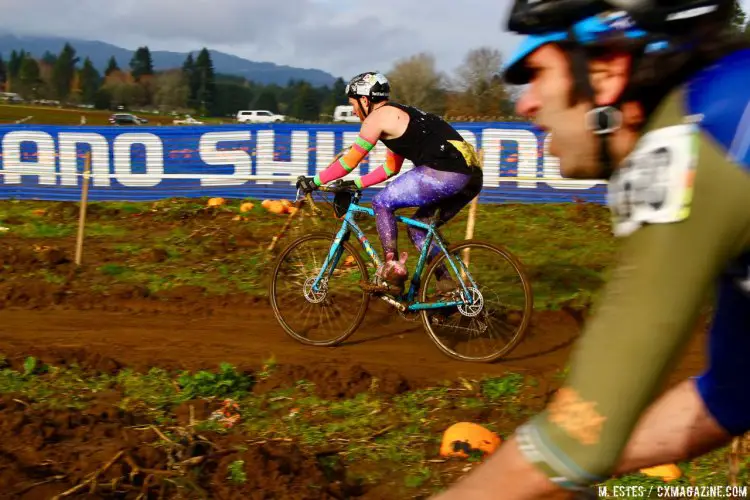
{"points": [[315, 296], [473, 304]]}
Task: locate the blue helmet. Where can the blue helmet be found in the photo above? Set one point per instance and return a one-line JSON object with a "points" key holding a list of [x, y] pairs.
{"points": [[591, 22], [579, 24]]}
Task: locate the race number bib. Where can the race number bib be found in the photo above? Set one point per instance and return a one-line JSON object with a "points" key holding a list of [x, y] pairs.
{"points": [[654, 185]]}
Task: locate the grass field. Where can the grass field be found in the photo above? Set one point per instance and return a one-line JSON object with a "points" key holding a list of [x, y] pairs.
{"points": [[76, 422], [48, 115], [565, 248]]}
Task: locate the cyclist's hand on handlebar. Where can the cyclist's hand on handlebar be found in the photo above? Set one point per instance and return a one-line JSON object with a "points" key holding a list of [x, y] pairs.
{"points": [[306, 184], [342, 185]]}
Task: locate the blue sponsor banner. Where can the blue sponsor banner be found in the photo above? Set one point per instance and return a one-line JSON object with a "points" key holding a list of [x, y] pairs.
{"points": [[250, 161]]}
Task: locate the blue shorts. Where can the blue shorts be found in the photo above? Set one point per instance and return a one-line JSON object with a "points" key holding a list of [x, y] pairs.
{"points": [[724, 387]]}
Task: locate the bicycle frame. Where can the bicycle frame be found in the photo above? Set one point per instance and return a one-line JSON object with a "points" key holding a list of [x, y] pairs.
{"points": [[349, 225]]}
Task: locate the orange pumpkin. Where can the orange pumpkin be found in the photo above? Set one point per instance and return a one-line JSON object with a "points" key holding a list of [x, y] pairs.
{"points": [[463, 438], [215, 202], [246, 207], [668, 472], [276, 207]]}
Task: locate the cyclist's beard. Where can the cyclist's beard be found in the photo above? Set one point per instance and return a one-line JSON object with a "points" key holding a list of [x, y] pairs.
{"points": [[575, 146]]}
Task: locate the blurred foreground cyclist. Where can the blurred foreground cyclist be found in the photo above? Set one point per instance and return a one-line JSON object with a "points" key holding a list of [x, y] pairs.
{"points": [[653, 95]]}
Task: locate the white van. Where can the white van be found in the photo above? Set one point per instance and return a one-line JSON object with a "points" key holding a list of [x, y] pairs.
{"points": [[345, 114]]}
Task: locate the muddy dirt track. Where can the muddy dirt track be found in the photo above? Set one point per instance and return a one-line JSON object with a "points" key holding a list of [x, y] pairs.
{"points": [[246, 338]]}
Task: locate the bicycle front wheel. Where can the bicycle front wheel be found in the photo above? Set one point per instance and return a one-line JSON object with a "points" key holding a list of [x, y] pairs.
{"points": [[497, 312], [326, 316]]}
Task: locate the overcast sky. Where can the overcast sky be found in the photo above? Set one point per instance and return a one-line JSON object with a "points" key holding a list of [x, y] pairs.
{"points": [[343, 37]]}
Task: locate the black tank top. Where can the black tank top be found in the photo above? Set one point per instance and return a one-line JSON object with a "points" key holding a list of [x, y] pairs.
{"points": [[431, 141]]}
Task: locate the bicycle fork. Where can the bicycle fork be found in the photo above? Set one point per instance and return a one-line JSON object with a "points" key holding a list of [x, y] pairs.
{"points": [[337, 250], [332, 259]]}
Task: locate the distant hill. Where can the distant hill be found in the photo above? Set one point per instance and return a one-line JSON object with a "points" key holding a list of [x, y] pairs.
{"points": [[100, 52]]}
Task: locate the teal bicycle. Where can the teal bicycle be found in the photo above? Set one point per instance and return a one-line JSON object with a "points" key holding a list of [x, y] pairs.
{"points": [[321, 288]]}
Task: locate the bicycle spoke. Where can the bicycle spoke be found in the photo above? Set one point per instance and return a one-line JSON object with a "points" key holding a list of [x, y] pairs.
{"points": [[502, 303], [328, 313]]}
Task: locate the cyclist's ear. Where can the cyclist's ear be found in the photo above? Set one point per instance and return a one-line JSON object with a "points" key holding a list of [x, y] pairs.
{"points": [[632, 114], [609, 77]]}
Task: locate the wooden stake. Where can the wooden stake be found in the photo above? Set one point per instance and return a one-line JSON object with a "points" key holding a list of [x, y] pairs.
{"points": [[472, 215], [288, 223], [84, 202]]}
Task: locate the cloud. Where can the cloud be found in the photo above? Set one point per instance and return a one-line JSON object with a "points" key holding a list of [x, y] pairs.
{"points": [[212, 21], [340, 36]]}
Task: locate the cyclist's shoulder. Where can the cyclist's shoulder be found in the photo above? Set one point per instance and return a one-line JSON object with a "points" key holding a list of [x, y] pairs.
{"points": [[396, 105], [392, 109], [413, 111], [389, 112], [719, 97]]}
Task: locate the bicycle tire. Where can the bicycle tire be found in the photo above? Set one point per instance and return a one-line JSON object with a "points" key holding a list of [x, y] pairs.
{"points": [[328, 237], [528, 296]]}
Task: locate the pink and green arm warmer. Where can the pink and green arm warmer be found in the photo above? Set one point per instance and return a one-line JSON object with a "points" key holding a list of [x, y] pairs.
{"points": [[390, 168], [348, 162], [339, 168]]}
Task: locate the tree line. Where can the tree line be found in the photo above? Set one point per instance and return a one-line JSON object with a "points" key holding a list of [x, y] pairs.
{"points": [[473, 90], [196, 87]]}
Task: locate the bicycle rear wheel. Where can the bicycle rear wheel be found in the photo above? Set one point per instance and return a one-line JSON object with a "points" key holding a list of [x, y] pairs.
{"points": [[328, 316], [501, 303]]}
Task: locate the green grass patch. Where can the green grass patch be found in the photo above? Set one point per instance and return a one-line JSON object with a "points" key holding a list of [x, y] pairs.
{"points": [[236, 472], [52, 115], [11, 211], [117, 207], [128, 248], [39, 230], [49, 115], [52, 277], [105, 231], [113, 269], [708, 470], [505, 387]]}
